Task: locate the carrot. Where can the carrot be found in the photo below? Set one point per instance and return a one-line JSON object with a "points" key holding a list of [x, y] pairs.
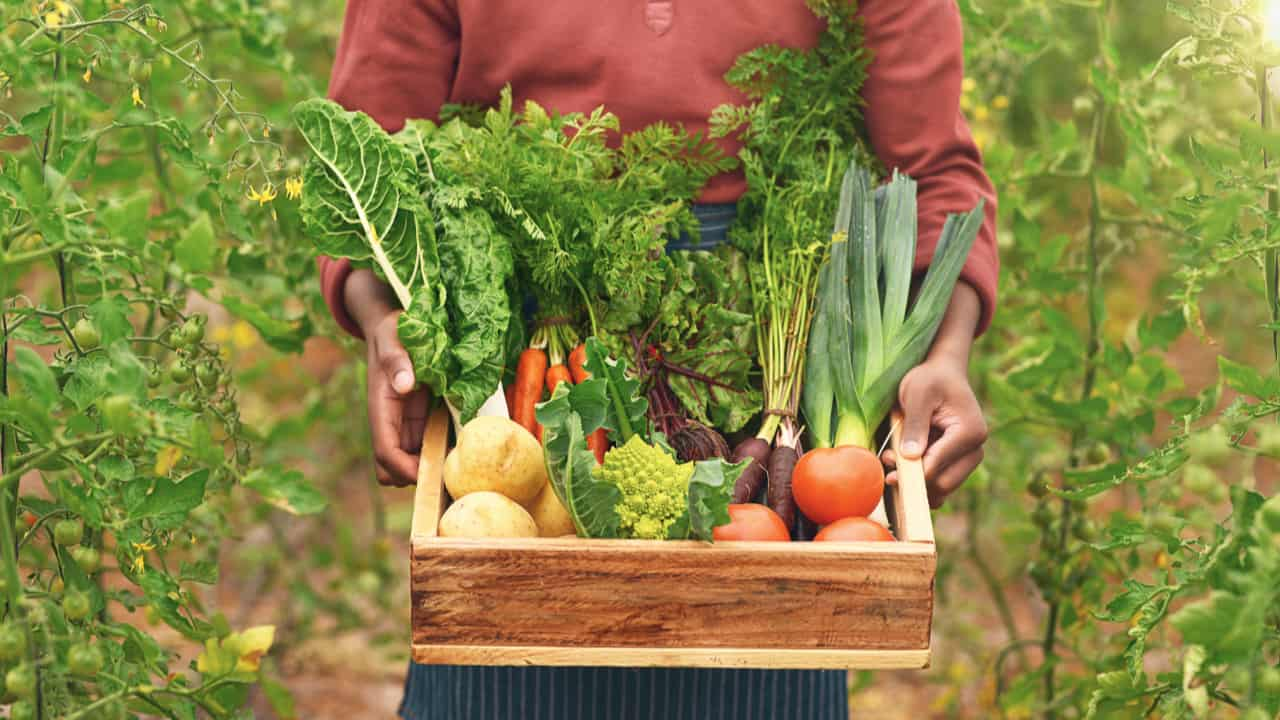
{"points": [[597, 441], [557, 374], [782, 461], [749, 483], [530, 372], [510, 392]]}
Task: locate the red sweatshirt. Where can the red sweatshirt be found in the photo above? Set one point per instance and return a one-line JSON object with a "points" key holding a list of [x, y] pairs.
{"points": [[650, 60]]}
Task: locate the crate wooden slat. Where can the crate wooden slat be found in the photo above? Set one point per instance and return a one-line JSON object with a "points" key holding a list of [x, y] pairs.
{"points": [[637, 603]]}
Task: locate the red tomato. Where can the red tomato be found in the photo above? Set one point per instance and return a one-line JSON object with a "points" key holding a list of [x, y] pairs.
{"points": [[752, 521], [852, 529], [834, 483]]}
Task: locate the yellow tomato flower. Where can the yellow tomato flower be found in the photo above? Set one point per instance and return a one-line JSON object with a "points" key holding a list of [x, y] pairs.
{"points": [[969, 85], [139, 564], [53, 19], [266, 131], [88, 73], [1000, 102], [263, 196], [293, 187], [137, 97], [981, 113], [243, 336]]}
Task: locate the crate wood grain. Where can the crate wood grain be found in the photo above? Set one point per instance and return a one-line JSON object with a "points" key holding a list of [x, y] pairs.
{"points": [[641, 603]]}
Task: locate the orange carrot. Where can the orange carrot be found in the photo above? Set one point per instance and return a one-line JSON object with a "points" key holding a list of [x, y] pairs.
{"points": [[530, 372], [557, 374], [510, 392], [597, 441]]}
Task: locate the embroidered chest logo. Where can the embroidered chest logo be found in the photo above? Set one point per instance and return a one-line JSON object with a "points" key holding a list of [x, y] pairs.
{"points": [[658, 15]]}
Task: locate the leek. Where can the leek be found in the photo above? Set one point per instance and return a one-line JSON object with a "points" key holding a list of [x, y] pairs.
{"points": [[866, 333]]}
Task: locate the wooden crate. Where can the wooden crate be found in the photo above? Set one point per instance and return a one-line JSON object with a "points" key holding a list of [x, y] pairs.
{"points": [[641, 603]]}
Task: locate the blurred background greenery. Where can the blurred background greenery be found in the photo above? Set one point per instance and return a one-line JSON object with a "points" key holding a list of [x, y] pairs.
{"points": [[1125, 140]]}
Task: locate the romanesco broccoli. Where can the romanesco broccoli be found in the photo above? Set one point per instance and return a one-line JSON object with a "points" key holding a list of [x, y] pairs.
{"points": [[655, 488]]}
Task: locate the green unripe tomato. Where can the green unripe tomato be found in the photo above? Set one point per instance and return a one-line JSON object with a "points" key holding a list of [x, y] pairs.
{"points": [[1037, 488], [56, 586], [1218, 494], [207, 373], [1268, 442], [140, 70], [21, 681], [13, 643], [22, 710], [84, 660], [1166, 524], [1098, 454], [1211, 445], [68, 532], [189, 401], [1084, 530], [117, 413], [193, 329], [179, 372], [89, 559], [1199, 479], [76, 606], [1269, 680], [86, 334], [155, 377]]}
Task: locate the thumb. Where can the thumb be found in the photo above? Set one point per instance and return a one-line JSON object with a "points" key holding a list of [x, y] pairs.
{"points": [[394, 360], [917, 411]]}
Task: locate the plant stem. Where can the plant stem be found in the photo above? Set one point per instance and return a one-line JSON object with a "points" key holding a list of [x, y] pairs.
{"points": [[1271, 258]]}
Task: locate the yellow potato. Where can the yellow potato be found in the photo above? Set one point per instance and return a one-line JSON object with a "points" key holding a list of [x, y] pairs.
{"points": [[486, 514], [549, 514], [495, 454]]}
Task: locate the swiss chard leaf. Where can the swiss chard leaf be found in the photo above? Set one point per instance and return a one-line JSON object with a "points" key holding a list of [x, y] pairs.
{"points": [[710, 492]]}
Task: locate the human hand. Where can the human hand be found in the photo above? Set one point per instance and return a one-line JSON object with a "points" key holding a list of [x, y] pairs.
{"points": [[397, 407], [942, 423]]}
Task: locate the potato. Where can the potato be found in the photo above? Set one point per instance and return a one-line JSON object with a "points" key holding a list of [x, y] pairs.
{"points": [[549, 514], [495, 454], [486, 514]]}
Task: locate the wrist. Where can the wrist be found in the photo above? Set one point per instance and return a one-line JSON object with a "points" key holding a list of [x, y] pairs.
{"points": [[954, 340], [367, 299]]}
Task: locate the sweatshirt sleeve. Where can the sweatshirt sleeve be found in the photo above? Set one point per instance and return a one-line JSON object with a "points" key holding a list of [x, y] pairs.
{"points": [[915, 125], [396, 60]]}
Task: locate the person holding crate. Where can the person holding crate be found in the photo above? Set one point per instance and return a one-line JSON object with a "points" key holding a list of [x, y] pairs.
{"points": [[648, 61]]}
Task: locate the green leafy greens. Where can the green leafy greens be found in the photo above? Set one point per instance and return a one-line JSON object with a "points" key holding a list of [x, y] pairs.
{"points": [[373, 198], [611, 399]]}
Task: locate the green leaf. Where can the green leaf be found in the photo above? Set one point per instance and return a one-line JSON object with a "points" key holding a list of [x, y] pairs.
{"points": [[169, 502], [283, 335], [1245, 379], [35, 377], [627, 406], [590, 503], [197, 246], [287, 490], [1204, 622], [127, 219], [710, 492], [111, 315]]}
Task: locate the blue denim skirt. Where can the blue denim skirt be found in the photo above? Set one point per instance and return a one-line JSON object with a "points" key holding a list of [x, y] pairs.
{"points": [[447, 692]]}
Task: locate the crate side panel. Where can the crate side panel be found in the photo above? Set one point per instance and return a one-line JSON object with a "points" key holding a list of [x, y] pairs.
{"points": [[530, 596]]}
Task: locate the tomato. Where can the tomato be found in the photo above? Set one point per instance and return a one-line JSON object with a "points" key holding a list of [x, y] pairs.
{"points": [[21, 681], [752, 521], [834, 483], [68, 532], [1269, 680], [87, 558], [13, 643], [179, 372], [84, 660], [76, 606], [854, 529], [207, 373], [86, 334]]}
